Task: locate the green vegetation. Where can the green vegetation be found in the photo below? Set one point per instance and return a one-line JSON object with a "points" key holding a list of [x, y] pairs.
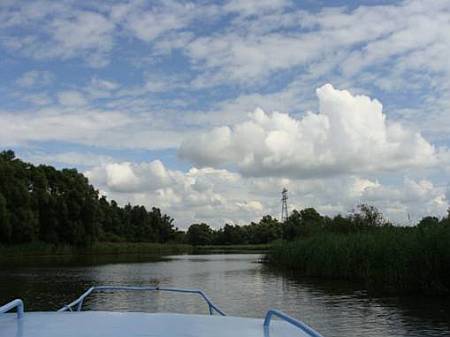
{"points": [[233, 248], [265, 231], [98, 248], [363, 247], [45, 211], [42, 204]]}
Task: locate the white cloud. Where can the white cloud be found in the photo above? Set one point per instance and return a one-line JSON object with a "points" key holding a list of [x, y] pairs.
{"points": [[402, 46], [71, 158], [197, 195], [71, 98], [159, 20], [255, 7], [148, 25], [101, 88], [37, 99], [60, 123], [411, 200], [128, 177], [218, 196], [85, 125], [35, 78], [85, 31], [58, 30], [101, 84], [350, 134]]}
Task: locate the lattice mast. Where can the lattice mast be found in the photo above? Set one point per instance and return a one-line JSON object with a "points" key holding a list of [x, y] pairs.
{"points": [[284, 209]]}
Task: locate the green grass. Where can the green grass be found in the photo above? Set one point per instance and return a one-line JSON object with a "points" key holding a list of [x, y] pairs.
{"points": [[99, 248], [384, 260]]}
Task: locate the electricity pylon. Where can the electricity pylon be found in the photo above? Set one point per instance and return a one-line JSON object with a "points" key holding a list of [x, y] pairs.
{"points": [[284, 209]]}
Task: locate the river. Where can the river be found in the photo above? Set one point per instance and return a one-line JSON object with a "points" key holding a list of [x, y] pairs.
{"points": [[237, 283]]}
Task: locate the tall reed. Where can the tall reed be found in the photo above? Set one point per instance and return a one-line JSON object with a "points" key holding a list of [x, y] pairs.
{"points": [[388, 260]]}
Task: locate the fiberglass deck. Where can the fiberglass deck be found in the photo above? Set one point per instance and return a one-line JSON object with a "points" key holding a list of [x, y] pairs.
{"points": [[134, 324]]}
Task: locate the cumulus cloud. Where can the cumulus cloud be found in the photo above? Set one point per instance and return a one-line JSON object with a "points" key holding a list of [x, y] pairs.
{"points": [[220, 196], [205, 194], [411, 200], [350, 134], [128, 177]]}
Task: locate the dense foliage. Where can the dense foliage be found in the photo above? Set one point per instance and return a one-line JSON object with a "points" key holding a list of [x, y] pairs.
{"points": [[40, 203], [303, 223], [364, 247], [266, 230]]}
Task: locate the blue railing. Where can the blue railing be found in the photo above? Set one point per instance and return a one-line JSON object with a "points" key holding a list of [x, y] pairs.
{"points": [[302, 326], [18, 304], [78, 303]]}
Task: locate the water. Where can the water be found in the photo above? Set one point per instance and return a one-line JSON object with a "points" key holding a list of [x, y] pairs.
{"points": [[237, 283]]}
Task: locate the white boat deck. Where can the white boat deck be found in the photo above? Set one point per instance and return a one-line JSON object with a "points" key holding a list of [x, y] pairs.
{"points": [[137, 324]]}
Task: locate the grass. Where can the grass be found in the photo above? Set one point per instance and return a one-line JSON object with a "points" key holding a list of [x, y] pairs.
{"points": [[99, 248], [385, 260]]}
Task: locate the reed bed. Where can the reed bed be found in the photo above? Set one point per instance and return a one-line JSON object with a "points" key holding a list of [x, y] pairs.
{"points": [[387, 260]]}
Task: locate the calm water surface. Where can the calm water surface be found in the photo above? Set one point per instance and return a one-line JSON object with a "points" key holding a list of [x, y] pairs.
{"points": [[237, 283]]}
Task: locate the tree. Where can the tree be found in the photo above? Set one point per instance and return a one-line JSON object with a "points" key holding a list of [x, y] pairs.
{"points": [[266, 230], [428, 221], [199, 234], [340, 224], [367, 216], [60, 206], [233, 235], [5, 225], [303, 224]]}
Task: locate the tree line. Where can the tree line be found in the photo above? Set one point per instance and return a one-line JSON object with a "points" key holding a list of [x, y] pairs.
{"points": [[41, 203], [299, 224]]}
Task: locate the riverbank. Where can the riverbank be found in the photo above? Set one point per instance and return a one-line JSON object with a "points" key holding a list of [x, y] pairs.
{"points": [[99, 248], [255, 248], [391, 260], [38, 249]]}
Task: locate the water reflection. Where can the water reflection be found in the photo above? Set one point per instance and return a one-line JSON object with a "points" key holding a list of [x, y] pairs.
{"points": [[236, 283]]}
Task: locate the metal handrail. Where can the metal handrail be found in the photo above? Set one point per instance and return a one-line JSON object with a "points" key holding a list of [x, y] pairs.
{"points": [[79, 301], [302, 326], [17, 303]]}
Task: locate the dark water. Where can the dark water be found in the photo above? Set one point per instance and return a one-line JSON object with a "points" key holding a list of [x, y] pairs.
{"points": [[236, 283]]}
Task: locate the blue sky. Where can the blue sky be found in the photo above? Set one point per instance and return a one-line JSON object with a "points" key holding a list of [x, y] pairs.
{"points": [[207, 109]]}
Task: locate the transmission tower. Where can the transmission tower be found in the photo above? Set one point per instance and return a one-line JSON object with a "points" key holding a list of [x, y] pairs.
{"points": [[284, 209]]}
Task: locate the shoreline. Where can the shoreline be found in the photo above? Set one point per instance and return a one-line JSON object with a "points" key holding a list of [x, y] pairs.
{"points": [[40, 249]]}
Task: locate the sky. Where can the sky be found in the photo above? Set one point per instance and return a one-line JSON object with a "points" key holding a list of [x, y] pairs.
{"points": [[207, 109]]}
